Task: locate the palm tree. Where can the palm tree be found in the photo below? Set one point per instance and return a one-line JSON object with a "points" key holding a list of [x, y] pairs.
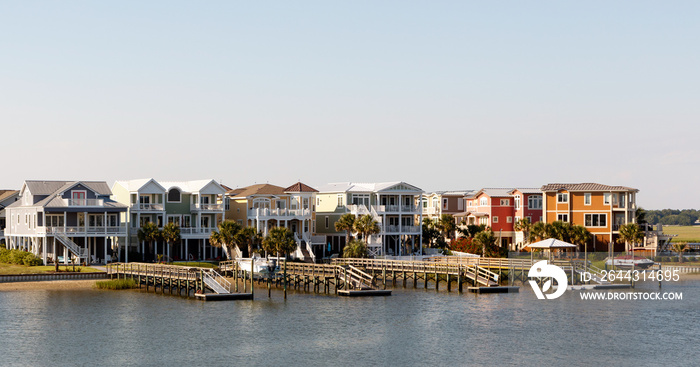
{"points": [[346, 223], [226, 236], [149, 233], [249, 237], [446, 225], [579, 235], [680, 247], [366, 225], [630, 233], [524, 226], [538, 232], [279, 240], [486, 239], [430, 233], [355, 249], [171, 234]]}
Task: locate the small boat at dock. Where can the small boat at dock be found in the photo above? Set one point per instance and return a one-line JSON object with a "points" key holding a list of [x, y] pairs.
{"points": [[261, 266], [629, 261]]}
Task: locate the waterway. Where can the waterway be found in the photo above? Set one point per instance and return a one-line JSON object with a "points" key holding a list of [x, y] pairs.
{"points": [[410, 328]]}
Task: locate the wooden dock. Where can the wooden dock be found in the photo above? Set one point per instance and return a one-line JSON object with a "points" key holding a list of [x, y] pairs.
{"points": [[201, 283]]}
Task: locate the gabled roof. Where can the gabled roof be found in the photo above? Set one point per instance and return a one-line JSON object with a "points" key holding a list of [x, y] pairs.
{"points": [[300, 187], [50, 187], [585, 187], [258, 189], [495, 192], [136, 185], [450, 193], [189, 186], [528, 190], [6, 194], [398, 186]]}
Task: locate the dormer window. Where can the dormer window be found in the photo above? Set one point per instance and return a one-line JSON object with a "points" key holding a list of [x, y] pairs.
{"points": [[174, 196]]}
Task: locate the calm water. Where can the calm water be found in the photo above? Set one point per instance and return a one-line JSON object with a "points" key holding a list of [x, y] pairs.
{"points": [[412, 327]]}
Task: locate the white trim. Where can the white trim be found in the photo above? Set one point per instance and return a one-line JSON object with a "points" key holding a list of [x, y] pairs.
{"points": [[596, 214], [587, 197]]}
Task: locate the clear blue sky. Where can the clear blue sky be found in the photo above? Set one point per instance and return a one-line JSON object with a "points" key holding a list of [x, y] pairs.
{"points": [[443, 95]]}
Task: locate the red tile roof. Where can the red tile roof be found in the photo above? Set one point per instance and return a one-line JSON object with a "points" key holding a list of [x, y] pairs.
{"points": [[300, 187], [585, 187]]}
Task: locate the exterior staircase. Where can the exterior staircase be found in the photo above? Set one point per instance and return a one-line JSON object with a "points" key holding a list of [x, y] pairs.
{"points": [[357, 279], [77, 251], [216, 282]]}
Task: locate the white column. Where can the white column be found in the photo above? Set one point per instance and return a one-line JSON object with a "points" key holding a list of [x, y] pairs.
{"points": [[104, 257]]}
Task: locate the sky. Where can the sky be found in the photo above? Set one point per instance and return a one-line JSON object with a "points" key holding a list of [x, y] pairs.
{"points": [[443, 95]]}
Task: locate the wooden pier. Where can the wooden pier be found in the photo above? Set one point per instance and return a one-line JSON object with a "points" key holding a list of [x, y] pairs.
{"points": [[202, 283]]}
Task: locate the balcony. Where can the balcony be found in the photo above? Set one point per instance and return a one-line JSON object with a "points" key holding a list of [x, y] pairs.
{"points": [[431, 210], [358, 209], [405, 209], [147, 207], [278, 213], [190, 232], [202, 207], [402, 229], [95, 230], [84, 202]]}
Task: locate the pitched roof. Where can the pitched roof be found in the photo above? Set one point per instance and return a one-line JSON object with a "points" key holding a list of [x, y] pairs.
{"points": [[186, 186], [258, 189], [527, 190], [365, 187], [135, 185], [4, 194], [37, 187], [495, 192], [585, 187], [300, 187]]}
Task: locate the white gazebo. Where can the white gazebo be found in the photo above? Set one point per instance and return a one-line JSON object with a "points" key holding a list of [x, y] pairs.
{"points": [[550, 244]]}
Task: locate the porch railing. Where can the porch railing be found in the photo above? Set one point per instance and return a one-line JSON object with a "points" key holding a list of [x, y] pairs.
{"points": [[146, 206], [84, 202], [267, 212], [211, 207]]}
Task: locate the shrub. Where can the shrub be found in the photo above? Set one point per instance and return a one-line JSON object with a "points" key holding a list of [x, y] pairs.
{"points": [[32, 260]]}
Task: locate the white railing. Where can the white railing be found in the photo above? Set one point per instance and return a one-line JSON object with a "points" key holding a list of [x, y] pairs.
{"points": [[358, 209], [71, 246], [146, 206], [216, 282], [396, 208], [266, 212], [401, 229], [84, 202], [211, 207], [431, 210], [195, 231], [113, 230]]}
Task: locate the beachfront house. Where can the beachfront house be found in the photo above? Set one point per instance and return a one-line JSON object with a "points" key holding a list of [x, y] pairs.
{"points": [[7, 197], [602, 209], [396, 206], [265, 206], [195, 206], [66, 221]]}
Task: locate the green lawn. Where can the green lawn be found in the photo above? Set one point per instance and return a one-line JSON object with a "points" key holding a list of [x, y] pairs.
{"points": [[685, 233], [11, 269]]}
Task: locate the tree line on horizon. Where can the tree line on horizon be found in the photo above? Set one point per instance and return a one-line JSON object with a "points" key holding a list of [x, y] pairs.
{"points": [[684, 217]]}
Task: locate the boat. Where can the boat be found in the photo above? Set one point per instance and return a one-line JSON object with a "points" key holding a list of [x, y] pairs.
{"points": [[261, 266], [629, 261]]}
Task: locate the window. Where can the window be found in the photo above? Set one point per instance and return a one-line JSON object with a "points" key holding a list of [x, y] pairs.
{"points": [[79, 197], [360, 199], [517, 202], [562, 197], [227, 204], [174, 196], [495, 219], [186, 221], [469, 204], [444, 203], [483, 201], [505, 202], [425, 203], [622, 200], [534, 202], [595, 220], [280, 204], [563, 217], [54, 220], [606, 198], [509, 219], [460, 204], [174, 219], [305, 203], [240, 222], [340, 199], [205, 222], [587, 198], [327, 223]]}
